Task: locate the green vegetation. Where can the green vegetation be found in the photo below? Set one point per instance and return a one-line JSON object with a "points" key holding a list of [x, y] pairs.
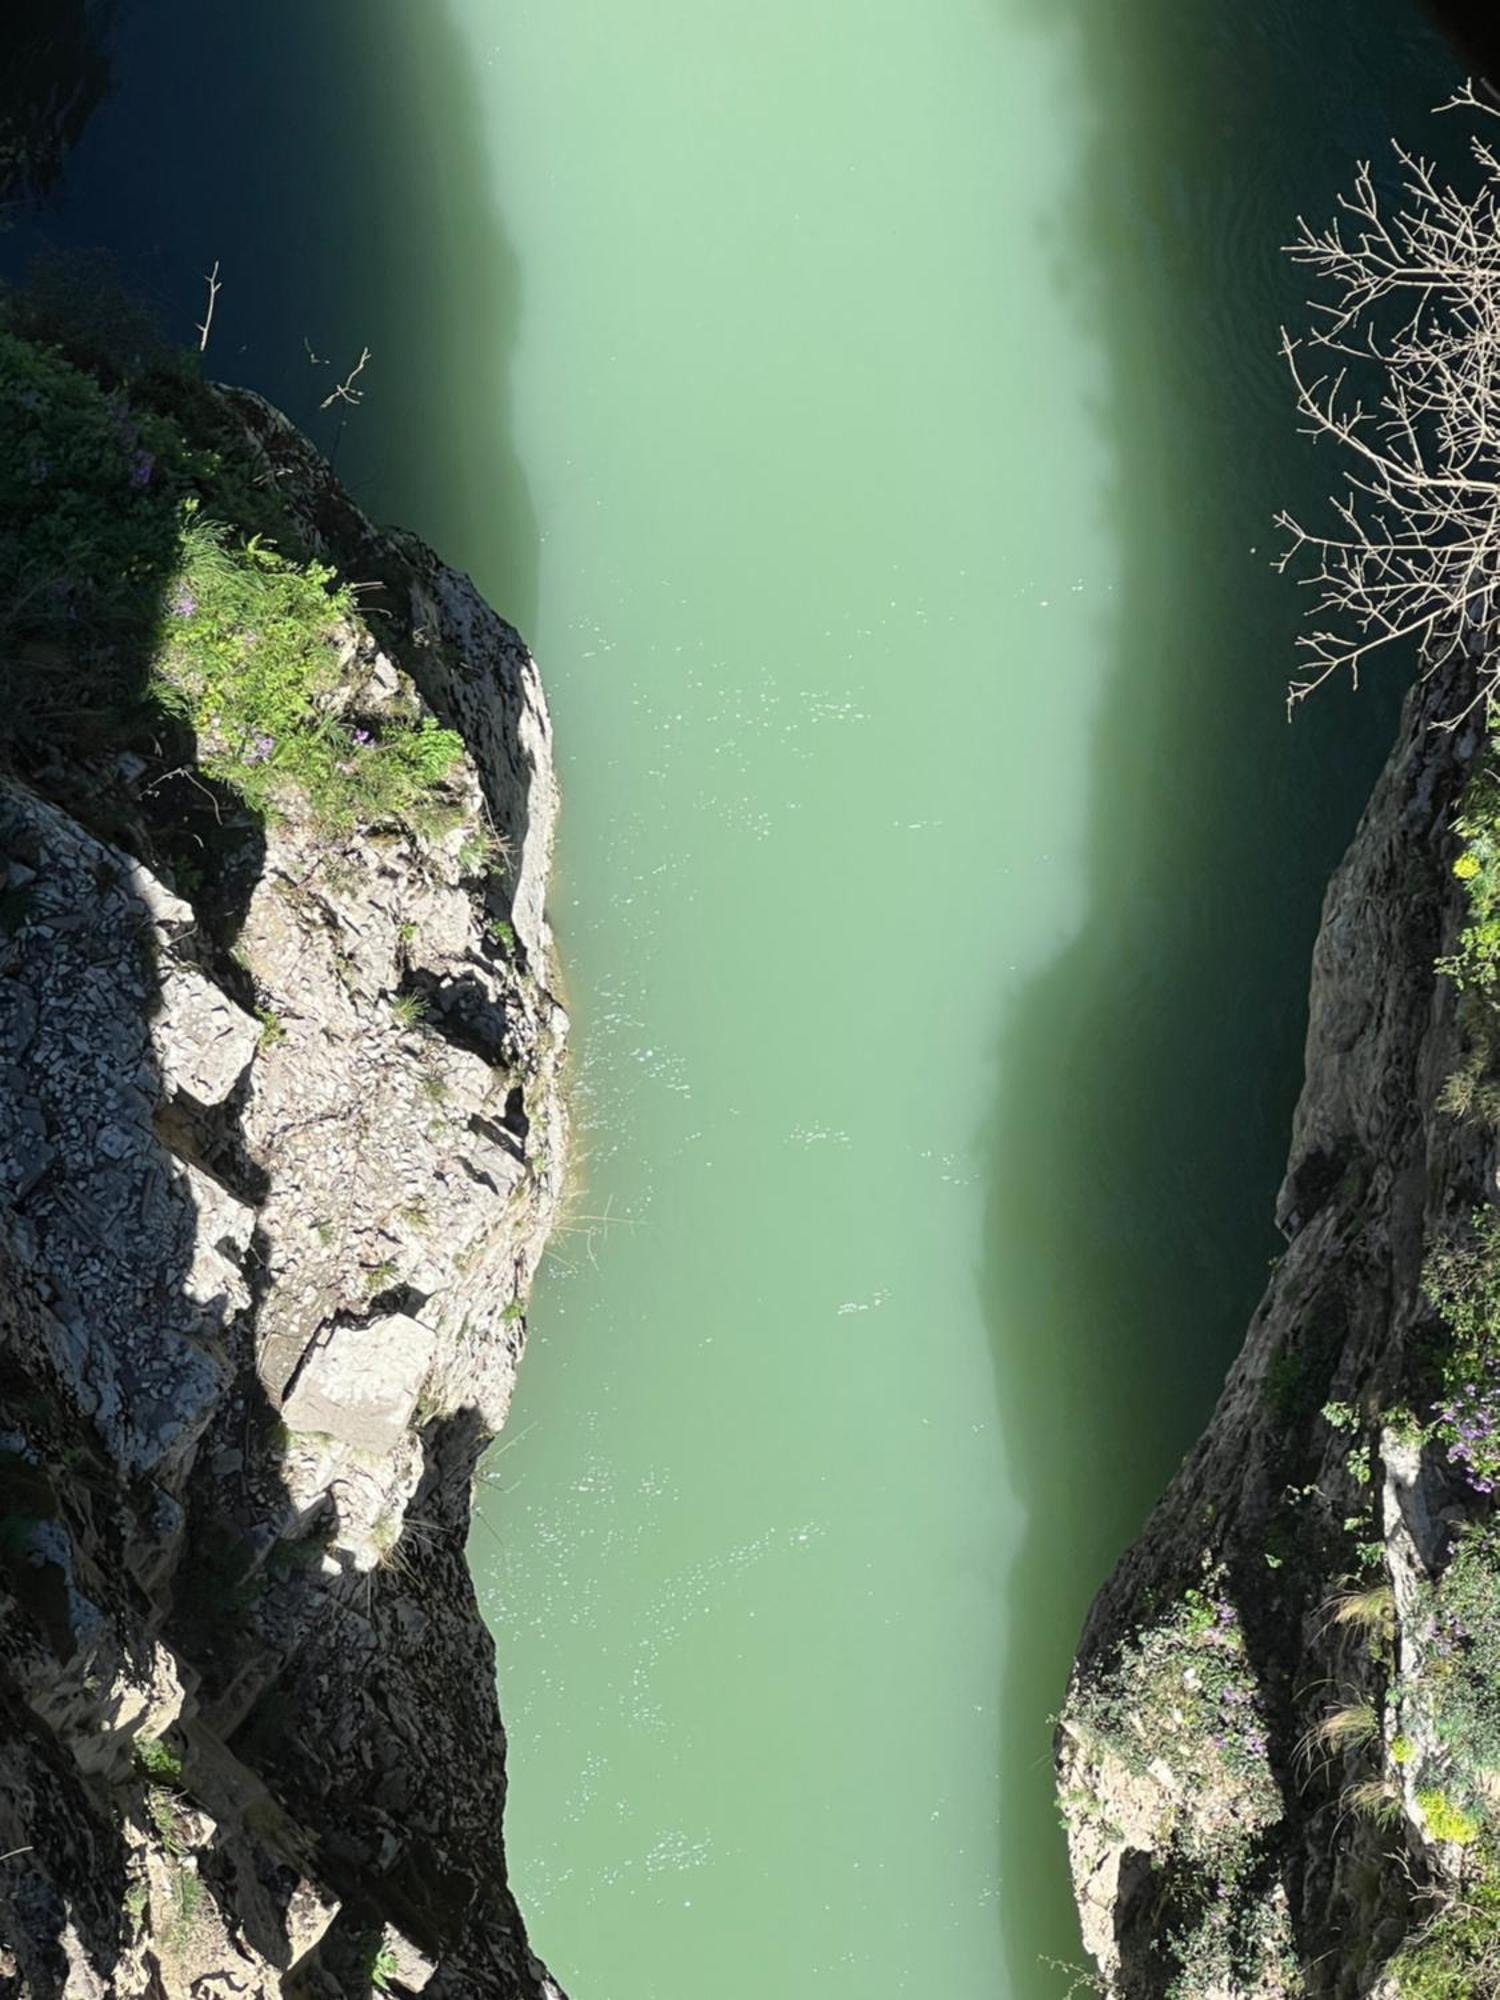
{"points": [[1446, 1821], [1475, 966], [1372, 1610], [1456, 1954], [187, 1895], [1375, 1799], [480, 851], [161, 1810], [127, 603], [1183, 1694], [1459, 1684], [1451, 1691], [1463, 1282], [1473, 1091], [1347, 1728], [385, 1533], [409, 1009], [250, 655], [158, 1760], [90, 497]]}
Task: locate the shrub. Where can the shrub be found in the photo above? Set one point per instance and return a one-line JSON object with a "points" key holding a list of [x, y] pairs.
{"points": [[156, 1759], [1463, 1282], [1446, 1821], [1475, 965], [1462, 1680], [123, 602], [250, 656], [1184, 1691], [90, 497], [1456, 1954]]}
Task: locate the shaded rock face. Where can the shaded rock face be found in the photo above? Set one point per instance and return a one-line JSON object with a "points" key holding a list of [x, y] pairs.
{"points": [[276, 1169], [1213, 1847]]}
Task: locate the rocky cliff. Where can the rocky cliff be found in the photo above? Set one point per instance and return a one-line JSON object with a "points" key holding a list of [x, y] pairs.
{"points": [[281, 1138], [1273, 1758]]}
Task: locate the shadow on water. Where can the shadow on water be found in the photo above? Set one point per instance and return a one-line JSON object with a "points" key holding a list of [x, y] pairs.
{"points": [[55, 72], [1147, 1077], [333, 161]]}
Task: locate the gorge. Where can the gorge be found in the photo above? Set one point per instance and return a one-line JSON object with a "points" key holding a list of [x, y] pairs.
{"points": [[873, 422]]}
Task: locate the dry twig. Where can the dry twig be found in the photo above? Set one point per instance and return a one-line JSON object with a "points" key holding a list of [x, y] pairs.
{"points": [[214, 288], [346, 392]]}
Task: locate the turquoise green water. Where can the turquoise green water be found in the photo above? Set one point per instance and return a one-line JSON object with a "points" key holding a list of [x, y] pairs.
{"points": [[825, 814], [871, 414], [888, 594]]}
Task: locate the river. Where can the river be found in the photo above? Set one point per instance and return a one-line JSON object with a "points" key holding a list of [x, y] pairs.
{"points": [[871, 414]]}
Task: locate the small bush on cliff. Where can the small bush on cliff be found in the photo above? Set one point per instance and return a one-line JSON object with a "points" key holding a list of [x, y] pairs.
{"points": [[1462, 1280], [1475, 965], [250, 656], [1183, 1695], [157, 1759], [1446, 1821], [124, 603], [1460, 1682], [1456, 1954]]}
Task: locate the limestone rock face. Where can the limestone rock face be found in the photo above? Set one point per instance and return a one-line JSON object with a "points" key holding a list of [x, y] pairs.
{"points": [[1275, 1509], [279, 1151], [359, 1384]]}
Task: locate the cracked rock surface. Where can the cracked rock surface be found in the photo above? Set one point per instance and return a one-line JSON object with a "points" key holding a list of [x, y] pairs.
{"points": [[1202, 1869], [278, 1159]]}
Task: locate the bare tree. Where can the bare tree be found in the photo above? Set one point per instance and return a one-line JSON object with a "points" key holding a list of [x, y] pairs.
{"points": [[1401, 369]]}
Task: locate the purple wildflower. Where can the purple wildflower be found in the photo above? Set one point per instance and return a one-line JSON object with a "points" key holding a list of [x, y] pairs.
{"points": [[184, 604], [260, 749], [363, 738], [142, 465]]}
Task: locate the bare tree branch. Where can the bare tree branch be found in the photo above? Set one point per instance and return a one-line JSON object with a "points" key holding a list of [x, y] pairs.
{"points": [[214, 288], [346, 392], [1401, 371]]}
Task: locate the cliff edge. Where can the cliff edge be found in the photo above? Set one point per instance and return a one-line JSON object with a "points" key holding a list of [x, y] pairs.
{"points": [[1276, 1759], [281, 1139]]}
